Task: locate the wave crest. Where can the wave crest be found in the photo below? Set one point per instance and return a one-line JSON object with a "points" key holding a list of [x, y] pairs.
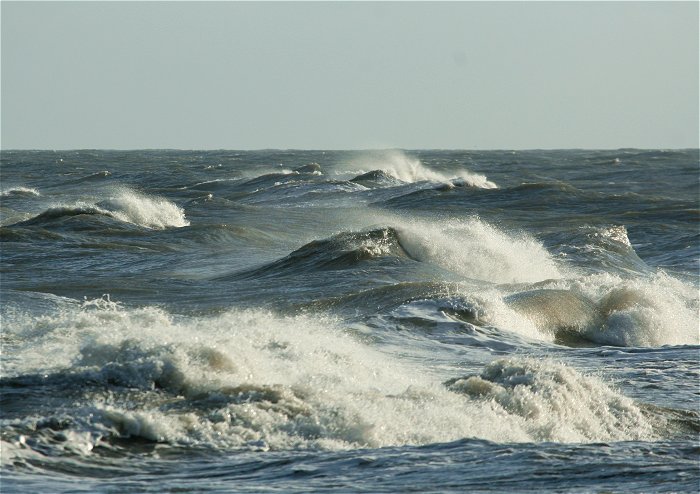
{"points": [[20, 191], [409, 170], [147, 211], [479, 250], [342, 251], [125, 205]]}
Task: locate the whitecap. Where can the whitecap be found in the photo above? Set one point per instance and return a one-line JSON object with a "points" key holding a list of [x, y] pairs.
{"points": [[410, 170], [145, 210], [251, 378], [478, 250], [19, 191]]}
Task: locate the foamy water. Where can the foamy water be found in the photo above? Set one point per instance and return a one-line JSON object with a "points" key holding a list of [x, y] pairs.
{"points": [[250, 379], [356, 321]]}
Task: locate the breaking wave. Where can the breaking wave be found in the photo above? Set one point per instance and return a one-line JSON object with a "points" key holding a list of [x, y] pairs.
{"points": [[585, 311], [342, 251], [471, 248], [148, 211], [479, 250], [19, 191], [125, 205], [252, 380], [398, 165], [555, 400]]}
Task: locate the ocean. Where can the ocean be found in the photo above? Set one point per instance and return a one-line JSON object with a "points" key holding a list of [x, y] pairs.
{"points": [[350, 321]]}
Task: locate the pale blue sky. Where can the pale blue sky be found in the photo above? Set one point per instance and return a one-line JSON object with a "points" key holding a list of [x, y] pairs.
{"points": [[460, 75]]}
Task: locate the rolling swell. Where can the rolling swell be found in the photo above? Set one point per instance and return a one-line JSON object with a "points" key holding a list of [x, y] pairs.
{"points": [[125, 206], [93, 177], [20, 192], [343, 251], [458, 194], [535, 327], [528, 292], [76, 217], [377, 178], [531, 199]]}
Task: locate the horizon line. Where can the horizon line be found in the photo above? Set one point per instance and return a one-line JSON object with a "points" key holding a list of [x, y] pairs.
{"points": [[625, 148]]}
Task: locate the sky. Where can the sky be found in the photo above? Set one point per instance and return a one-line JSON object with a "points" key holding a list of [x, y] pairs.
{"points": [[350, 75]]}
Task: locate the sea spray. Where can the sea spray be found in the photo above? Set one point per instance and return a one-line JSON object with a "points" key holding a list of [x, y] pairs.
{"points": [[250, 378], [123, 204], [479, 250], [317, 332], [144, 210], [407, 169]]}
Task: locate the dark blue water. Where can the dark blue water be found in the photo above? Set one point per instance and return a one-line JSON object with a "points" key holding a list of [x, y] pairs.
{"points": [[384, 321]]}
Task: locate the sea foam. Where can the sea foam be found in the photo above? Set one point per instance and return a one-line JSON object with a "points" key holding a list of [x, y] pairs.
{"points": [[144, 210], [478, 250], [603, 308], [249, 379], [652, 310]]}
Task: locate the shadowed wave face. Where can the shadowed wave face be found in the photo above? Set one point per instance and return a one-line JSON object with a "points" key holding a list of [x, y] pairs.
{"points": [[289, 319]]}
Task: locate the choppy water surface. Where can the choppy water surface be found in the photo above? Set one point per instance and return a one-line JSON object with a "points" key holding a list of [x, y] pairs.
{"points": [[359, 321]]}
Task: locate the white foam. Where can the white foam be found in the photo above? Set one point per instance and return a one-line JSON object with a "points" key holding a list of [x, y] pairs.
{"points": [[645, 311], [24, 191], [248, 379], [478, 250], [491, 309], [144, 210], [407, 169], [556, 401], [640, 311], [617, 233]]}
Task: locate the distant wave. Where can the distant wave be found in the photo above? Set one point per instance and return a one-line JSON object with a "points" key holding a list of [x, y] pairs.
{"points": [[402, 167], [376, 177], [95, 176], [125, 205], [545, 186], [308, 183], [19, 191], [313, 168], [285, 174], [342, 251]]}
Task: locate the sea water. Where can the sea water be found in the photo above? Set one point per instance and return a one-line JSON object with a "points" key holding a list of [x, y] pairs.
{"points": [[377, 321]]}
